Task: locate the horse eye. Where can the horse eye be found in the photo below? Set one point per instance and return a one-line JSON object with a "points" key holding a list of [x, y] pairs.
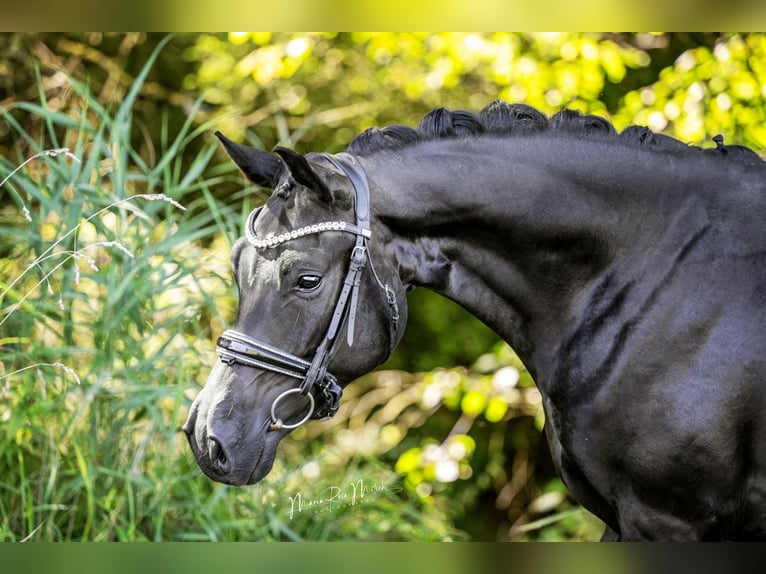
{"points": [[309, 282]]}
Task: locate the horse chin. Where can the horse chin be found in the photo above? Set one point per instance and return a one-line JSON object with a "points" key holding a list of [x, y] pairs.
{"points": [[262, 469], [265, 461]]}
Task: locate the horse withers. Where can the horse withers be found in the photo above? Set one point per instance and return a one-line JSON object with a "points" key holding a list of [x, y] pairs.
{"points": [[627, 271]]}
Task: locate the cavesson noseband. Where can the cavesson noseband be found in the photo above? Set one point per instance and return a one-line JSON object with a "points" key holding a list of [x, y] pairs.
{"points": [[320, 386]]}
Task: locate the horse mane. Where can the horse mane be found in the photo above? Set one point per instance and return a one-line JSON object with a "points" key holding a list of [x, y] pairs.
{"points": [[502, 118]]}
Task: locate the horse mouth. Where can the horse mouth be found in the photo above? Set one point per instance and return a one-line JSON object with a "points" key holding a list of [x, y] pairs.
{"points": [[239, 468]]}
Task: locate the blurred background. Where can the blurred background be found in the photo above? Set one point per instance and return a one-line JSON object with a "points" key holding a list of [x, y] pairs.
{"points": [[117, 212]]}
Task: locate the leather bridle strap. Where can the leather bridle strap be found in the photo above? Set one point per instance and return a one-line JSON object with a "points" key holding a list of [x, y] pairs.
{"points": [[345, 307], [235, 347]]}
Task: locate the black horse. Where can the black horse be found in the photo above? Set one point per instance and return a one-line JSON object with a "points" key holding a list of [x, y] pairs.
{"points": [[628, 271]]}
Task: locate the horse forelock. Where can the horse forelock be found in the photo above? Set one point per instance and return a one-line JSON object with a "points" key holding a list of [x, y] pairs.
{"points": [[503, 119]]}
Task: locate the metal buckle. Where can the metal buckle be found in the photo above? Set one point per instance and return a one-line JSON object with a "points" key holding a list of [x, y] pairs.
{"points": [[358, 258]]}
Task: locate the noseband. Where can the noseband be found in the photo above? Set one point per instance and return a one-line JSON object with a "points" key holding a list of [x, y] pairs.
{"points": [[320, 386]]}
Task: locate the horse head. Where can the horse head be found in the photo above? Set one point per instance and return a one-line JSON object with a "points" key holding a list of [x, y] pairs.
{"points": [[319, 305]]}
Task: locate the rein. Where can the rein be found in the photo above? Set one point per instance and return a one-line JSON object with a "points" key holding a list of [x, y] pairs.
{"points": [[320, 386]]}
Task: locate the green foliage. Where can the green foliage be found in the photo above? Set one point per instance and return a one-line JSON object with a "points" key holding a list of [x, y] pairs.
{"points": [[707, 90], [112, 294]]}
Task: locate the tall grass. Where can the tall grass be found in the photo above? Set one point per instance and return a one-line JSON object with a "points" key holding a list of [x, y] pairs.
{"points": [[114, 280]]}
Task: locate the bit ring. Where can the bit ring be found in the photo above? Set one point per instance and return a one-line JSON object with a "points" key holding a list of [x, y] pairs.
{"points": [[277, 424]]}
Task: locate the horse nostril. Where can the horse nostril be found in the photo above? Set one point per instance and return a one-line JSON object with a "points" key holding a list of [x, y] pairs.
{"points": [[217, 455]]}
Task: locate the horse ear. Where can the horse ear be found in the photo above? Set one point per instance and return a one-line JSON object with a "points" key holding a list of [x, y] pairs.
{"points": [[303, 173], [260, 167]]}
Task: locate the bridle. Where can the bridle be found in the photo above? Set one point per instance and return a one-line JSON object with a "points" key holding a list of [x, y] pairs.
{"points": [[318, 385]]}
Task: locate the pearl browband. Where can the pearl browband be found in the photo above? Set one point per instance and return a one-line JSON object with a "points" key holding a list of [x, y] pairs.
{"points": [[274, 240]]}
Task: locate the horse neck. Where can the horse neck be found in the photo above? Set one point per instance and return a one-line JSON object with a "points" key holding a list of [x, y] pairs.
{"points": [[516, 232]]}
